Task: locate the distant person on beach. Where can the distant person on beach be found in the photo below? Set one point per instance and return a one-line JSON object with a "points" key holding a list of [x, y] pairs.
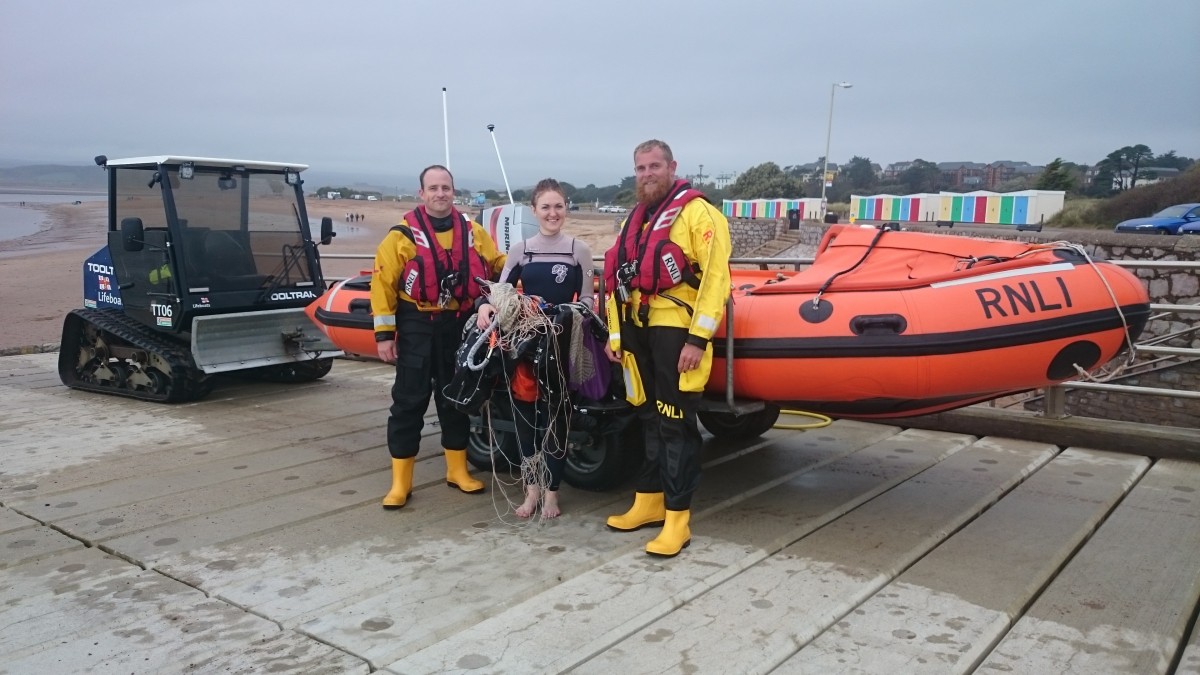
{"points": [[423, 289], [557, 268], [669, 275]]}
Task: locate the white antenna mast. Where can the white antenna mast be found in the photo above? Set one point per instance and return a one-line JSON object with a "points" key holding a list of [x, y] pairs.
{"points": [[492, 131], [446, 128]]}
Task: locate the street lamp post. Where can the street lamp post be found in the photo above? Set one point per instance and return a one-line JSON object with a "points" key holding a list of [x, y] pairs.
{"points": [[828, 136]]}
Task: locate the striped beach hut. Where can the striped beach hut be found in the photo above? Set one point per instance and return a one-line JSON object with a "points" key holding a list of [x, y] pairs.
{"points": [[753, 209]]}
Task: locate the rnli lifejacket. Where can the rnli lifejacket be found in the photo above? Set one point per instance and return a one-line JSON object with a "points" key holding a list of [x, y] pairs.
{"points": [[435, 269], [656, 262]]}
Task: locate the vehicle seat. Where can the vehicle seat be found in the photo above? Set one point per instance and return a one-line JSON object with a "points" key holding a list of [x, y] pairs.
{"points": [[194, 256], [229, 263], [226, 256]]}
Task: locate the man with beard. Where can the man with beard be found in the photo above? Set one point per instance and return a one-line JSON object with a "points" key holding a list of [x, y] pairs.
{"points": [[422, 291], [669, 271]]}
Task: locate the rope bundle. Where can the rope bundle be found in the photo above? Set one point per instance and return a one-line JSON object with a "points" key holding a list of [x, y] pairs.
{"points": [[519, 316], [519, 319]]}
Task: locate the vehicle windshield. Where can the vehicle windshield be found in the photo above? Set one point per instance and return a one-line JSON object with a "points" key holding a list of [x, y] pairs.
{"points": [[138, 195], [241, 229], [1177, 211]]}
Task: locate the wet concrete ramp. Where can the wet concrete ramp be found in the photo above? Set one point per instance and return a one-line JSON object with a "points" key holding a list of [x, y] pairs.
{"points": [[243, 533]]}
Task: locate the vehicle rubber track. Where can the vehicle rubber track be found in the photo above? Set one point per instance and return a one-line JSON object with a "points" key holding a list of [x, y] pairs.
{"points": [[292, 373], [105, 351]]}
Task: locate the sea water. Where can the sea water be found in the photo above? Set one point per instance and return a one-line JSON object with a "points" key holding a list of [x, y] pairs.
{"points": [[17, 220]]}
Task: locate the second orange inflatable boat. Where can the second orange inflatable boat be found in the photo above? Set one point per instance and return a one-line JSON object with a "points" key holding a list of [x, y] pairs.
{"points": [[894, 324]]}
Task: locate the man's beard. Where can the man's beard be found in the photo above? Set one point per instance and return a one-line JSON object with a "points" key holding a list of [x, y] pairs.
{"points": [[652, 193]]}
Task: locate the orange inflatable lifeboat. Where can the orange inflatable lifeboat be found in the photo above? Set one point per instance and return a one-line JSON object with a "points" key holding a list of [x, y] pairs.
{"points": [[889, 324], [893, 324], [343, 313]]}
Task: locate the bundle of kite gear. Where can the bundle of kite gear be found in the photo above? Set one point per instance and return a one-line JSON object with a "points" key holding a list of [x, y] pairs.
{"points": [[544, 336], [547, 352], [478, 366]]}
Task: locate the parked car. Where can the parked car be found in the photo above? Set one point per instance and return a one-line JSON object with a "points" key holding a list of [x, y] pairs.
{"points": [[1170, 220], [1191, 228]]}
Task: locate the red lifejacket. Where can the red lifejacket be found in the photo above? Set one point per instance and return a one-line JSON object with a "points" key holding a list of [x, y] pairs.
{"points": [[434, 270], [649, 261]]}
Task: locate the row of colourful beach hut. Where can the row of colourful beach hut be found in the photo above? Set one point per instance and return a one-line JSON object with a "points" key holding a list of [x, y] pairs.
{"points": [[809, 208], [1027, 207]]}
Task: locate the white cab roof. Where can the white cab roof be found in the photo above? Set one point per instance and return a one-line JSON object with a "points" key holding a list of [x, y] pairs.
{"points": [[205, 161]]}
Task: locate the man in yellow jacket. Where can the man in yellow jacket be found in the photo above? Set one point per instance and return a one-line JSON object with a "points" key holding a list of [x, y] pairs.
{"points": [[669, 275], [422, 293]]}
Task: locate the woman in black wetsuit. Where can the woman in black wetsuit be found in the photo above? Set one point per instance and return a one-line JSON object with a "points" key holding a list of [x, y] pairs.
{"points": [[557, 268]]}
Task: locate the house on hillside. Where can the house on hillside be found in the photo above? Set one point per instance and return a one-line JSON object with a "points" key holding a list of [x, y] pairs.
{"points": [[1146, 176], [1001, 172], [962, 175], [812, 170], [893, 170], [1150, 175], [724, 180]]}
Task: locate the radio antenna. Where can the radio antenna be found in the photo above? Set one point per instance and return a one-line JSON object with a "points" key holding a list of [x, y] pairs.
{"points": [[492, 131]]}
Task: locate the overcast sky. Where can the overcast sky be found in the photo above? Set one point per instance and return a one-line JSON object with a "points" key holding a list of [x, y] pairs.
{"points": [[572, 87]]}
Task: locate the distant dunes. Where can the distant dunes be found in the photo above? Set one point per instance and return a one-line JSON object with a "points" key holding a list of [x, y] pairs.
{"points": [[54, 176]]}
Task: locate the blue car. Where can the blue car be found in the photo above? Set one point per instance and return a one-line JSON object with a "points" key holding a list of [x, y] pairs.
{"points": [[1178, 219]]}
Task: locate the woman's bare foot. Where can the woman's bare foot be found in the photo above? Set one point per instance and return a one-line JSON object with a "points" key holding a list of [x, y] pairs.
{"points": [[550, 505], [527, 508]]}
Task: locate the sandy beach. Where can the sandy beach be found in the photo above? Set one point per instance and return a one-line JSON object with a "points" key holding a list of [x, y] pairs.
{"points": [[41, 273]]}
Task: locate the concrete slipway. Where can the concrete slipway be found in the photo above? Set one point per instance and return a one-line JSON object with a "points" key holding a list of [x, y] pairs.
{"points": [[243, 533]]}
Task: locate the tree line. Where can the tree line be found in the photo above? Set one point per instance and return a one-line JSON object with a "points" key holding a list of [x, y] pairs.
{"points": [[1118, 171]]}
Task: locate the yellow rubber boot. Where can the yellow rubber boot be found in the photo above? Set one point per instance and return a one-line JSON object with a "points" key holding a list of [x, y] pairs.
{"points": [[456, 472], [647, 509], [401, 483], [675, 535]]}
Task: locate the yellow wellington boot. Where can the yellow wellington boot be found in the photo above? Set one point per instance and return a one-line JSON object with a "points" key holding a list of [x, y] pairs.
{"points": [[456, 472], [401, 483], [675, 535], [647, 510]]}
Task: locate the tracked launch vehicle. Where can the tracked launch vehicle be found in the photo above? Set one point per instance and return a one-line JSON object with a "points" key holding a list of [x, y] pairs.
{"points": [[208, 267]]}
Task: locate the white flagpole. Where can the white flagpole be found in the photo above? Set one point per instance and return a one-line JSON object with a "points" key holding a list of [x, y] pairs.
{"points": [[492, 131], [446, 127]]}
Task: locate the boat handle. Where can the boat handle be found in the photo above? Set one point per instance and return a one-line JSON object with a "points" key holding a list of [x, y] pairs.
{"points": [[877, 324]]}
